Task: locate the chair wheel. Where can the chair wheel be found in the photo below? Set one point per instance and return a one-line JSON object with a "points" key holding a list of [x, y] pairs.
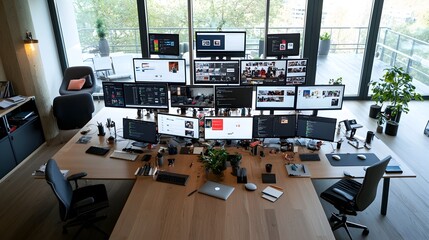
{"points": [[365, 232]]}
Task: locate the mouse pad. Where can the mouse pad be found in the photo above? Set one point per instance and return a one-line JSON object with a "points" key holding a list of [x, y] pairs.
{"points": [[351, 159]]}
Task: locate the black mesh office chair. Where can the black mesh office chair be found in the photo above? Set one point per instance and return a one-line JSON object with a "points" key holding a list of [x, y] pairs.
{"points": [[350, 196], [78, 72], [73, 111], [79, 206]]}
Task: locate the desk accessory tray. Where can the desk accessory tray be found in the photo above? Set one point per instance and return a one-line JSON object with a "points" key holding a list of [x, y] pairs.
{"points": [[297, 170]]}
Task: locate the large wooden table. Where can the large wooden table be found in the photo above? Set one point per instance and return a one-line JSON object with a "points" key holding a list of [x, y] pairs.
{"points": [[161, 210]]}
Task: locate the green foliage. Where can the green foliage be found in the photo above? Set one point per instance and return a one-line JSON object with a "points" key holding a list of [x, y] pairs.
{"points": [[337, 81], [101, 28], [325, 36], [396, 88], [381, 118], [215, 160]]}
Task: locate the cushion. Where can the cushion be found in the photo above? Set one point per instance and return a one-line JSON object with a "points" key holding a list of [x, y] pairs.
{"points": [[88, 81], [76, 84]]}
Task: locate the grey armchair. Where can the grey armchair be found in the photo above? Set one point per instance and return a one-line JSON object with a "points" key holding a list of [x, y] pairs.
{"points": [[78, 72]]}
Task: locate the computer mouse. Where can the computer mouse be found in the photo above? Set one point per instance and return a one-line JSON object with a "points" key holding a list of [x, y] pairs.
{"points": [[361, 157], [336, 157], [250, 186]]}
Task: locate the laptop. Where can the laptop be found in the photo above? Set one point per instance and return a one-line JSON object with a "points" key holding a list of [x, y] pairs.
{"points": [[216, 190]]}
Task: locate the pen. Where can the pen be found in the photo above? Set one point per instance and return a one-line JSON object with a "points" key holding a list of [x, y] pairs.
{"points": [[192, 192], [279, 188], [192, 163], [303, 168]]}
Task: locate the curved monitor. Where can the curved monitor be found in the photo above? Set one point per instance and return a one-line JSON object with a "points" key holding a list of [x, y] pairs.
{"points": [[314, 127], [141, 95], [172, 71], [164, 44], [296, 73], [216, 72], [221, 128], [178, 126], [233, 96], [263, 72], [192, 96], [220, 44], [275, 97], [274, 126], [140, 131], [283, 45], [319, 97]]}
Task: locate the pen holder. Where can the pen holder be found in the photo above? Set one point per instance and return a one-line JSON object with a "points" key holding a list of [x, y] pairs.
{"points": [[101, 130], [160, 160]]}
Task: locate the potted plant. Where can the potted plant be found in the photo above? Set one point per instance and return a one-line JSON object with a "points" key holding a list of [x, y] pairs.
{"points": [[103, 45], [381, 119], [324, 43], [235, 161], [214, 161], [337, 81], [396, 88]]}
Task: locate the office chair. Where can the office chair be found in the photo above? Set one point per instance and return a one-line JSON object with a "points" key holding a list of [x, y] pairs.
{"points": [[79, 206], [78, 72], [73, 111], [350, 196]]}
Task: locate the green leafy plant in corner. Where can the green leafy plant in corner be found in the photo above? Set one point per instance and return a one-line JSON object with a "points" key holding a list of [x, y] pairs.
{"points": [[337, 81], [325, 36], [101, 28], [215, 160]]}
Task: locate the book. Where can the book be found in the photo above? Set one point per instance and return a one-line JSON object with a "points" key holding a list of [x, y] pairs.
{"points": [[272, 193], [297, 170], [6, 104], [393, 169], [16, 99], [41, 171]]}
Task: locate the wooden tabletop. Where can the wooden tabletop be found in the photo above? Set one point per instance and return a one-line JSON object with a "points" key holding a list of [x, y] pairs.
{"points": [[156, 210]]}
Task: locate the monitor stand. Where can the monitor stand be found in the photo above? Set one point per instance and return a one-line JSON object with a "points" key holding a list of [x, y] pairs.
{"points": [[183, 111], [139, 144]]}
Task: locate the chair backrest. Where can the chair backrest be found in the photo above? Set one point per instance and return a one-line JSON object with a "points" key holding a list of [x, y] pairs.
{"points": [[73, 111], [77, 72], [368, 191], [61, 187]]}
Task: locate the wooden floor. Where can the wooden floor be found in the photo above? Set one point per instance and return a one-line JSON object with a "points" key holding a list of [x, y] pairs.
{"points": [[29, 210]]}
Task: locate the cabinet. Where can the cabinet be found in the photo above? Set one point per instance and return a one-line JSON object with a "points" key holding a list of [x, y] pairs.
{"points": [[21, 133]]}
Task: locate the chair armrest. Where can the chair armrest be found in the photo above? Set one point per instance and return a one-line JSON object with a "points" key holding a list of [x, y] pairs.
{"points": [[343, 193], [84, 202], [76, 176]]}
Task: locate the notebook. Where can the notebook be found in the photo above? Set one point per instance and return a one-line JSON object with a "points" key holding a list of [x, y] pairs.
{"points": [[97, 150], [216, 190]]}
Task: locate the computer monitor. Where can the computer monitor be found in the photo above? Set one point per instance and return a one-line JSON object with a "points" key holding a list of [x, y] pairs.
{"points": [[140, 131], [275, 97], [164, 44], [274, 126], [216, 72], [220, 44], [233, 96], [282, 45], [314, 127], [172, 71], [142, 95], [262, 72], [319, 97], [179, 126], [228, 128], [192, 96], [296, 73], [113, 94]]}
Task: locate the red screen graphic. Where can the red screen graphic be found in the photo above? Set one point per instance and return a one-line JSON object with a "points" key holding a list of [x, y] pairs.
{"points": [[217, 124]]}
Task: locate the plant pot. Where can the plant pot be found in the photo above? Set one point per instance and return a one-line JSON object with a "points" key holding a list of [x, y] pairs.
{"points": [[379, 128], [210, 176], [103, 46], [391, 128], [374, 110], [388, 112], [324, 46]]}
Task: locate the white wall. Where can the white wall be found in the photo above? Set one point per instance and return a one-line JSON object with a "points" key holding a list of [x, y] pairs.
{"points": [[47, 46]]}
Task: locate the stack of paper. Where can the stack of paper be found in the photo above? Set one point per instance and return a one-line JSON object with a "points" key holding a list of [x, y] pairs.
{"points": [[41, 171], [271, 193]]}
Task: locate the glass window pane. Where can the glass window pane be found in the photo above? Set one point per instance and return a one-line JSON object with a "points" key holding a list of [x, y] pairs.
{"points": [[403, 41], [341, 55]]}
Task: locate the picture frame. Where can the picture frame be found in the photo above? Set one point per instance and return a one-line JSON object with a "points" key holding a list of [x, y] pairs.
{"points": [[4, 89]]}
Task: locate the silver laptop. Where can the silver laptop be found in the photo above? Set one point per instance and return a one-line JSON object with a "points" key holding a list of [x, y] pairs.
{"points": [[216, 190]]}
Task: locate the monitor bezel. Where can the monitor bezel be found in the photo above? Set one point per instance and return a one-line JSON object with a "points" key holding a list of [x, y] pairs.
{"points": [[135, 139], [274, 108], [341, 99], [332, 139], [269, 53], [192, 86], [220, 54], [182, 82], [176, 40], [216, 83], [229, 86], [220, 117], [180, 116]]}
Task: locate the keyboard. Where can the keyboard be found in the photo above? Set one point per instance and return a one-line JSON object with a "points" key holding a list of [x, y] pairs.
{"points": [[309, 157], [173, 178], [124, 155]]}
